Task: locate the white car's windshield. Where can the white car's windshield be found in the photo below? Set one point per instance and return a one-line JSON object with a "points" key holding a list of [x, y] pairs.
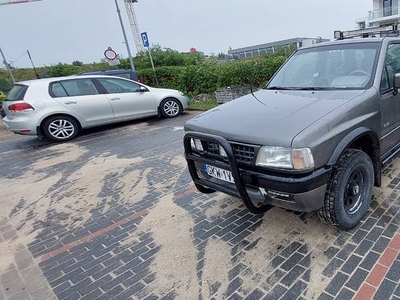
{"points": [[341, 66]]}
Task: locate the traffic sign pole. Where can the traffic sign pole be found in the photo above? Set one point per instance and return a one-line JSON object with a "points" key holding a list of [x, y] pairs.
{"points": [[146, 44]]}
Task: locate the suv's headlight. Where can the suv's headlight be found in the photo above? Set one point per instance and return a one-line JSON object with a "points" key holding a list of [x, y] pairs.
{"points": [[285, 158]]}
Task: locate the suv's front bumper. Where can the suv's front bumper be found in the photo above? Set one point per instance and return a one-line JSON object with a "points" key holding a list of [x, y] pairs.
{"points": [[301, 192]]}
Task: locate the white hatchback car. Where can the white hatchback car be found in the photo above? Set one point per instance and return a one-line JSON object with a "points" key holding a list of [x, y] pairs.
{"points": [[58, 108]]}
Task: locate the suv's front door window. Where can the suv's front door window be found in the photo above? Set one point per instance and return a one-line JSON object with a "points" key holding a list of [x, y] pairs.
{"points": [[392, 66], [329, 67]]}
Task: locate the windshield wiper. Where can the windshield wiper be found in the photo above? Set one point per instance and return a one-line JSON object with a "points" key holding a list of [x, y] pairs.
{"points": [[278, 88], [314, 88]]}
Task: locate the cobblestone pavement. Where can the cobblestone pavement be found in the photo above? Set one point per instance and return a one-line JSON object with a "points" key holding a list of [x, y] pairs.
{"points": [[114, 215]]}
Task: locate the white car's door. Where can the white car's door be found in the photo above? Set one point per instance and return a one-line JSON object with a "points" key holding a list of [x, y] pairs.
{"points": [[83, 99], [128, 99]]}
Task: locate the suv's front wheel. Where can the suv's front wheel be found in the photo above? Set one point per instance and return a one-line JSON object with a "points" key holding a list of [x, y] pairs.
{"points": [[349, 191]]}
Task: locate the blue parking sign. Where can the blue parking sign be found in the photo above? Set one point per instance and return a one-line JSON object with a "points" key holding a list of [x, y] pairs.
{"points": [[145, 39]]}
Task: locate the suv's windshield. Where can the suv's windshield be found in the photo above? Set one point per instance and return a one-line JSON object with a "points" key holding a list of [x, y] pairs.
{"points": [[341, 66]]}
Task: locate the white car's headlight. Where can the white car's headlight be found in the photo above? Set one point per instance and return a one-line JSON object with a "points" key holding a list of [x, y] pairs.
{"points": [[285, 158], [180, 93]]}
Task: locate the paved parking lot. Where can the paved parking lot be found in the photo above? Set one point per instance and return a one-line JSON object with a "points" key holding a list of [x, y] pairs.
{"points": [[114, 215]]}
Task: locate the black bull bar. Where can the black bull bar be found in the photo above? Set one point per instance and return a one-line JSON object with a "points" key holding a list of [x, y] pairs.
{"points": [[206, 186]]}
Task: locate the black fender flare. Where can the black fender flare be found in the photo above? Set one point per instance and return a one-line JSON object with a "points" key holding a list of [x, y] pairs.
{"points": [[349, 139]]}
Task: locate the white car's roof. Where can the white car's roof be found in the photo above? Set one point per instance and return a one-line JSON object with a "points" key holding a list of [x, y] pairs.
{"points": [[52, 79]]}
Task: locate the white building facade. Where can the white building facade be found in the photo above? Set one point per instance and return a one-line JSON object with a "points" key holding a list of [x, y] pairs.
{"points": [[384, 13]]}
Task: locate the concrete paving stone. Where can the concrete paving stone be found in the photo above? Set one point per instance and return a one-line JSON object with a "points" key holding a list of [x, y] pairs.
{"points": [[93, 295], [233, 286], [273, 279], [275, 293], [346, 251], [357, 279], [22, 254], [9, 235], [292, 261], [381, 244], [369, 260], [351, 264], [385, 290], [235, 296], [255, 295], [295, 291], [336, 283], [331, 252], [21, 295], [5, 228], [325, 296], [14, 287], [112, 293], [292, 276], [25, 263], [369, 223], [363, 247], [42, 293], [345, 294], [394, 272], [9, 276]]}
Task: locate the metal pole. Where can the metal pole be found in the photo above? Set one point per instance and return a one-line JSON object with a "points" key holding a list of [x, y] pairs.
{"points": [[30, 57], [152, 64], [7, 66], [126, 39]]}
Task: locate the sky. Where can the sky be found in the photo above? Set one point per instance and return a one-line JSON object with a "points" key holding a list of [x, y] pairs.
{"points": [[66, 30]]}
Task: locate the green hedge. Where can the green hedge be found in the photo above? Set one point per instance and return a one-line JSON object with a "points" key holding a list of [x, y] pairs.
{"points": [[202, 78], [213, 75]]}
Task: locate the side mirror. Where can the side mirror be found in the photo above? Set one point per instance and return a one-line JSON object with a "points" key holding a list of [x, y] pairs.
{"points": [[143, 89], [397, 81]]}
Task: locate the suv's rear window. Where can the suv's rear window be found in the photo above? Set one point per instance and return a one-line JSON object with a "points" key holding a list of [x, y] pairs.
{"points": [[17, 93]]}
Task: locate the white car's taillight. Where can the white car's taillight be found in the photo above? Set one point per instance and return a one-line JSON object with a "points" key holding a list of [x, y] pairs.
{"points": [[20, 107]]}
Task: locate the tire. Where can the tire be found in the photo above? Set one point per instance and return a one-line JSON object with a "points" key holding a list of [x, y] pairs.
{"points": [[349, 190], [60, 128], [170, 108]]}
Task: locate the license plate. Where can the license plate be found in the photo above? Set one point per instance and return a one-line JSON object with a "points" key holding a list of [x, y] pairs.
{"points": [[219, 173]]}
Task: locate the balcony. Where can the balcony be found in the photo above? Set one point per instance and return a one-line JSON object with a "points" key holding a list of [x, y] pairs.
{"points": [[386, 13]]}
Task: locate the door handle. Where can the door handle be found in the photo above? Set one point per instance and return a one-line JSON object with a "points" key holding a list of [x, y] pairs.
{"points": [[70, 102], [116, 98]]}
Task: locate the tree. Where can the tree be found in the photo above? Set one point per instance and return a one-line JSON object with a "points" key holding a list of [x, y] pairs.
{"points": [[5, 85], [77, 63]]}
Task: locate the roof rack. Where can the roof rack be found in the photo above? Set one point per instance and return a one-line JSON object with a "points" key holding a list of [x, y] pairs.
{"points": [[368, 32]]}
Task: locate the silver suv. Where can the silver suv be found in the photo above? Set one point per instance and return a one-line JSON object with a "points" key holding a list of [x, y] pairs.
{"points": [[315, 138], [58, 108]]}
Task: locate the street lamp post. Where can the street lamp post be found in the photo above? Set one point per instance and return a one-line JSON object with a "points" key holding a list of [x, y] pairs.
{"points": [[126, 39]]}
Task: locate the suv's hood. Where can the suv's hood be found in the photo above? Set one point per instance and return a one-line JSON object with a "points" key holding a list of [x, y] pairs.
{"points": [[274, 119]]}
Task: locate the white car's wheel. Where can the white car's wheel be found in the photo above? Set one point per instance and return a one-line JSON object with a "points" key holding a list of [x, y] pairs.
{"points": [[60, 128], [170, 108]]}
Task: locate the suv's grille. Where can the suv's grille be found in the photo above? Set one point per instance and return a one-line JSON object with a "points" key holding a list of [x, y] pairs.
{"points": [[243, 153]]}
